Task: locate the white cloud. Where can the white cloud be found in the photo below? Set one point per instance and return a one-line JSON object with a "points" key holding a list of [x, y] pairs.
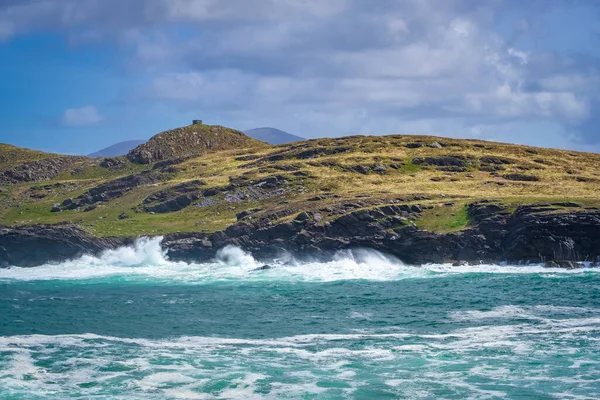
{"points": [[339, 65], [83, 116]]}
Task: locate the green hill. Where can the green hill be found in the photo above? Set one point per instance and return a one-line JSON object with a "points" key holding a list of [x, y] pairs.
{"points": [[189, 141], [11, 156], [203, 178]]}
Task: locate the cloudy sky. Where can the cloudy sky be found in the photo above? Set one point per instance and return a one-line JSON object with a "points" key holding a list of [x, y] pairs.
{"points": [[79, 75]]}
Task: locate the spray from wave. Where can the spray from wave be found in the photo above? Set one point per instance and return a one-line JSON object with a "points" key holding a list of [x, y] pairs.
{"points": [[147, 261]]}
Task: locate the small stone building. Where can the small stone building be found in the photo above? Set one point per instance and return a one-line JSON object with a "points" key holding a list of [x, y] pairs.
{"points": [[197, 122]]}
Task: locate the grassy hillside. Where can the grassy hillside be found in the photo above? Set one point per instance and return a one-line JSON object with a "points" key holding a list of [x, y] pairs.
{"points": [[188, 141], [12, 155], [208, 192]]}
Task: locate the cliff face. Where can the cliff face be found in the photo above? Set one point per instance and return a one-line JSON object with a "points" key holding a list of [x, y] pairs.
{"points": [[36, 245], [190, 141], [531, 234]]}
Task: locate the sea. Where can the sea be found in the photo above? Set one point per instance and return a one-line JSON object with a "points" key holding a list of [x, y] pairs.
{"points": [[130, 324]]}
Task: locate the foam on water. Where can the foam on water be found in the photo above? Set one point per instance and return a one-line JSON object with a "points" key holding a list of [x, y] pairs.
{"points": [[147, 261], [488, 361]]}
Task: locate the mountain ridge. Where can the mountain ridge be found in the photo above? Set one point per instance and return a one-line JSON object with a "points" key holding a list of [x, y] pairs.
{"points": [[117, 149], [273, 135]]}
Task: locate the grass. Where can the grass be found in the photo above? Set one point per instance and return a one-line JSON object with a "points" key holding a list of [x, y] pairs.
{"points": [[443, 218], [410, 168], [563, 176], [12, 155]]}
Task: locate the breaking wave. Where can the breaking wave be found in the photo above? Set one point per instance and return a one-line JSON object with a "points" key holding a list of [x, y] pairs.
{"points": [[146, 261]]}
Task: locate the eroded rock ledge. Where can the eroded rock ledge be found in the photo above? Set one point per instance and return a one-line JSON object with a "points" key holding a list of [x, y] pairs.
{"points": [[530, 234], [30, 246]]}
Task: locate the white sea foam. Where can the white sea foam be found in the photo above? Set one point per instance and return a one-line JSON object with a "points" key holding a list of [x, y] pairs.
{"points": [[147, 261], [506, 312], [219, 367]]}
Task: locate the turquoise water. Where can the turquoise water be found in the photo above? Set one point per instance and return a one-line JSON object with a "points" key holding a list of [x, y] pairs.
{"points": [[131, 325]]}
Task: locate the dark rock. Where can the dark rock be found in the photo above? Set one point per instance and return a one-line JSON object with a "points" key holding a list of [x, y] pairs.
{"points": [[115, 188], [379, 168], [416, 208], [413, 145], [263, 268], [243, 214], [449, 161], [247, 158], [39, 170], [68, 204], [56, 208], [301, 174], [192, 188], [123, 216], [211, 192], [31, 246], [535, 232], [453, 169], [562, 264], [362, 169], [317, 198], [173, 205], [113, 163], [496, 160], [481, 210], [521, 177], [161, 165], [303, 216], [568, 204]]}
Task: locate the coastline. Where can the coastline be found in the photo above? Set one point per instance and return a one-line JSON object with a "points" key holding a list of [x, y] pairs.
{"points": [[529, 235]]}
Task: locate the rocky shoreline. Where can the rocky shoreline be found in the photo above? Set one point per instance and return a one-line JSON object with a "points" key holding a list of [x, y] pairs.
{"points": [[535, 233]]}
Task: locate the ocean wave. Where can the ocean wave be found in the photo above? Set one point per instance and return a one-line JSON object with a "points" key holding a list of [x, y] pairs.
{"points": [[401, 363], [509, 312], [146, 261]]}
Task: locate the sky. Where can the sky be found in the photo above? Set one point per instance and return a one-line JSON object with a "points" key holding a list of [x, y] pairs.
{"points": [[80, 75]]}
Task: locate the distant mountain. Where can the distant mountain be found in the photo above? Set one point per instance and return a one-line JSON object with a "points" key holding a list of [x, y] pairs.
{"points": [[119, 149], [273, 136]]}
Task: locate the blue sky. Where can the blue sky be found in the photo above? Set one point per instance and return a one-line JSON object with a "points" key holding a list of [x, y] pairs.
{"points": [[79, 75]]}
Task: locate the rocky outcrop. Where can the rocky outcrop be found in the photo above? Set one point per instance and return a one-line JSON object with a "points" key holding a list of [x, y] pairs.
{"points": [[188, 141], [521, 177], [30, 246], [239, 190], [39, 170], [114, 163], [529, 235], [553, 236], [109, 190], [539, 233]]}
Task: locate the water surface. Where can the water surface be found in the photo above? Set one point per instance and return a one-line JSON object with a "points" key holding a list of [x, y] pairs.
{"points": [[131, 324]]}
